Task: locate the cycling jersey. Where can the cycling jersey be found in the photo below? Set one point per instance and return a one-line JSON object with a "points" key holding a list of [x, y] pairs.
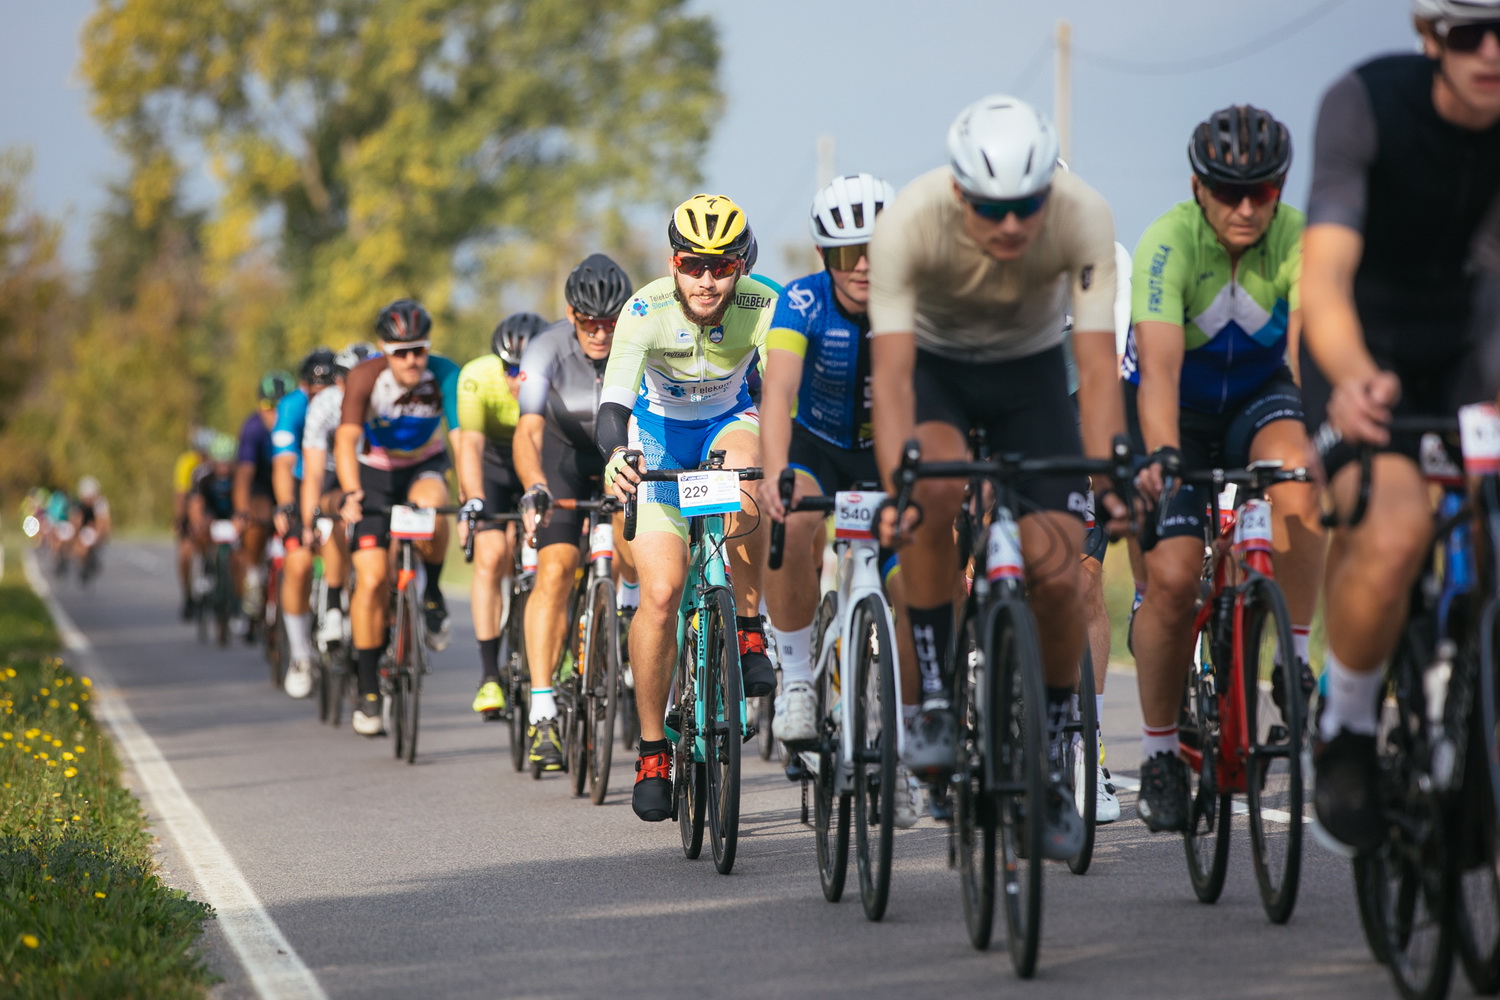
{"points": [[663, 364], [182, 472], [323, 419], [255, 449], [218, 496], [562, 384], [1233, 315], [89, 511], [291, 418], [927, 276], [402, 426], [833, 400], [486, 405]]}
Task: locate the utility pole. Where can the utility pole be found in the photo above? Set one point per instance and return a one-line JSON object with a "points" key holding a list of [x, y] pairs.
{"points": [[825, 160], [1062, 94]]}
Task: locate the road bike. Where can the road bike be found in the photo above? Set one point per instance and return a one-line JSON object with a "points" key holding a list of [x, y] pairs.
{"points": [[213, 581], [707, 720]]}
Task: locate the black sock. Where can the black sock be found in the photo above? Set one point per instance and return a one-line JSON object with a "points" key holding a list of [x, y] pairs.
{"points": [[489, 659], [434, 573], [751, 624], [335, 601], [932, 629], [368, 661], [654, 746], [1059, 714]]}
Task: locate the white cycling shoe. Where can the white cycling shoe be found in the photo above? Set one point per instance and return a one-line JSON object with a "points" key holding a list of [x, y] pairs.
{"points": [[331, 627], [299, 679], [908, 798], [369, 717], [1106, 803], [797, 715]]}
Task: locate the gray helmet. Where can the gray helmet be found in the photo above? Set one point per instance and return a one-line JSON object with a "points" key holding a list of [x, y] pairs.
{"points": [[512, 335]]}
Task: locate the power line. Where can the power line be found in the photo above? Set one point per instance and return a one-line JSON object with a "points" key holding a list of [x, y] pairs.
{"points": [[1038, 59], [1245, 51]]}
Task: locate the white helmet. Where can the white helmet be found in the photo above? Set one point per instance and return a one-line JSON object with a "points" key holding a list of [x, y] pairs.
{"points": [[843, 212], [1456, 10], [88, 487], [1000, 147]]}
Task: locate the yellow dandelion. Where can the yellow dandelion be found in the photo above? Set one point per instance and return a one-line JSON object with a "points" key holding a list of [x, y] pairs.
{"points": [[42, 755], [86, 682], [52, 703], [70, 772], [79, 748], [44, 691], [98, 895], [57, 743], [83, 697], [73, 705], [6, 736], [51, 763], [76, 817], [67, 755], [10, 671], [29, 940]]}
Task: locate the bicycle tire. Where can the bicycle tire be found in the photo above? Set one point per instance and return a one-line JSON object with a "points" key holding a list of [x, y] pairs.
{"points": [[830, 805], [517, 678], [416, 666], [972, 843], [223, 595], [1476, 911], [325, 688], [723, 740], [1206, 839], [874, 804], [601, 687], [275, 637], [690, 793], [1273, 774], [1085, 751], [401, 640], [1017, 704]]}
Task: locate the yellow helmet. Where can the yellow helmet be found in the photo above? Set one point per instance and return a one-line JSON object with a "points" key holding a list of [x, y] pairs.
{"points": [[709, 224]]}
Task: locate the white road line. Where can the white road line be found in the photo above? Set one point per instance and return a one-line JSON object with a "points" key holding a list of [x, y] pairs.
{"points": [[275, 970]]}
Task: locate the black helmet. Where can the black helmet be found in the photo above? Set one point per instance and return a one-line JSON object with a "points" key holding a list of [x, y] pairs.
{"points": [[512, 335], [597, 287], [752, 253], [319, 367], [1240, 144], [403, 321]]}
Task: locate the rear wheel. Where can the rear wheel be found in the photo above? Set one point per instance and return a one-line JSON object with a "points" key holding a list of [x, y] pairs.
{"points": [[874, 741], [1273, 779], [1477, 913], [724, 705], [1206, 839], [1082, 761], [1016, 709]]}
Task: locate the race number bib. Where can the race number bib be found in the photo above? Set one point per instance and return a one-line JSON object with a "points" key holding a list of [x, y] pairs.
{"points": [[1479, 429], [413, 523], [324, 527], [854, 514], [702, 493], [1003, 553], [602, 541], [1253, 530], [223, 533], [528, 557]]}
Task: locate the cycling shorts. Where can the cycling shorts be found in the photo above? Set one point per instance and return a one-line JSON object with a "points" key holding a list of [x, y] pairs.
{"points": [[384, 487], [677, 444], [1022, 405], [502, 488], [572, 474], [1215, 440], [832, 468]]}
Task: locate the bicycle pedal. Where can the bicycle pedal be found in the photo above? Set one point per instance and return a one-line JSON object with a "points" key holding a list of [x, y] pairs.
{"points": [[1277, 734], [492, 715], [750, 733]]}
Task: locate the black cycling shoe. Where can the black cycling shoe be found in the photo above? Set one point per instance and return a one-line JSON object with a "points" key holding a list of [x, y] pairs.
{"points": [[939, 804], [1309, 682], [1346, 789], [755, 666], [652, 798], [1163, 800], [189, 609], [546, 744], [795, 769], [1062, 827], [435, 612]]}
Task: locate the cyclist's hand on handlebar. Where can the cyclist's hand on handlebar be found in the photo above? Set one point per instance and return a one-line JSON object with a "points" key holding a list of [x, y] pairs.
{"points": [[1111, 510], [1151, 480], [1360, 409], [536, 508], [350, 509], [768, 493], [620, 477]]}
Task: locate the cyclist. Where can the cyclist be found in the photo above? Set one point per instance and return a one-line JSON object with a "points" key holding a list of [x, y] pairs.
{"points": [[212, 497], [398, 402], [694, 335], [182, 485], [561, 376], [972, 268], [317, 374], [1406, 177], [487, 483], [1207, 384], [320, 492], [254, 493], [91, 525], [818, 365]]}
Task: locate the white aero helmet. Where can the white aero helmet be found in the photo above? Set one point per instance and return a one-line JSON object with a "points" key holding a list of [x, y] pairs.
{"points": [[1000, 147], [1458, 11], [843, 212]]}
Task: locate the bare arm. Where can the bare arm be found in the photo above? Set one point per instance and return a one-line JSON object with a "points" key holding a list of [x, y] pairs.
{"points": [[893, 360], [283, 478], [1335, 337], [778, 394], [346, 456], [244, 474], [470, 452], [1161, 348], [1294, 345], [312, 482], [526, 449]]}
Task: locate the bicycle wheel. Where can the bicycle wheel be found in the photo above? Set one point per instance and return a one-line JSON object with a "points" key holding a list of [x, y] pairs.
{"points": [[1014, 719], [830, 802], [1273, 774], [275, 635], [1081, 758], [223, 595], [1206, 838], [401, 643], [874, 741], [974, 816], [690, 792], [517, 677], [601, 685], [1477, 896], [416, 666], [325, 688], [722, 738]]}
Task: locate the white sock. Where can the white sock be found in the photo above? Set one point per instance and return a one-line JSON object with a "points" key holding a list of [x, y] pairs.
{"points": [[1155, 741], [1099, 709], [252, 576], [1301, 635], [1350, 700], [795, 650], [628, 595], [299, 635], [543, 705]]}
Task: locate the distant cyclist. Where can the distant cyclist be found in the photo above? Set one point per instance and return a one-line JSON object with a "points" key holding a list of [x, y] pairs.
{"points": [[183, 472], [91, 526], [254, 494], [488, 484]]}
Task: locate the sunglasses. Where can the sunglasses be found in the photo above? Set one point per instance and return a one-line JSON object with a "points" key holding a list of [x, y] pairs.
{"points": [[602, 324], [1021, 208], [845, 258], [1467, 37], [418, 351], [1232, 194], [512, 370], [693, 267]]}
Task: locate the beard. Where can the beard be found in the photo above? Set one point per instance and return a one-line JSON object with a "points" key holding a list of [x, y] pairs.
{"points": [[705, 319]]}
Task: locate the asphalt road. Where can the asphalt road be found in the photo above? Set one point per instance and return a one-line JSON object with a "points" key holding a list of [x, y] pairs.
{"points": [[457, 877]]}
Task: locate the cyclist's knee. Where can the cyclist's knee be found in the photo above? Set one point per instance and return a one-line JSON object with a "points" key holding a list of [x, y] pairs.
{"points": [[940, 500], [1174, 573]]}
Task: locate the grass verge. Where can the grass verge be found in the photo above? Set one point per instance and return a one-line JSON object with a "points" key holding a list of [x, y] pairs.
{"points": [[83, 913]]}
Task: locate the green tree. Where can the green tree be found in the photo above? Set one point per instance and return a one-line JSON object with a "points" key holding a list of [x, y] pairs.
{"points": [[392, 143]]}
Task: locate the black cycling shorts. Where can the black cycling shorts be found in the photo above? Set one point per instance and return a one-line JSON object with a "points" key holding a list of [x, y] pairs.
{"points": [[1022, 405], [502, 488], [832, 467], [1215, 440], [572, 474], [384, 487]]}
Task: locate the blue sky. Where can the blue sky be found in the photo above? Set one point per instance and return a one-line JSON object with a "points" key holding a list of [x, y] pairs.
{"points": [[882, 77]]}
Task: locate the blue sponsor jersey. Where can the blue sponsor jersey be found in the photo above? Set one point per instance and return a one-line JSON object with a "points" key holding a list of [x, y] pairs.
{"points": [[833, 400]]}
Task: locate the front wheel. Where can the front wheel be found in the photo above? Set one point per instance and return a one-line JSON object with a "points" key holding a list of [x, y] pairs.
{"points": [[1206, 839], [723, 726], [601, 684], [973, 806], [1081, 758], [874, 742]]}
